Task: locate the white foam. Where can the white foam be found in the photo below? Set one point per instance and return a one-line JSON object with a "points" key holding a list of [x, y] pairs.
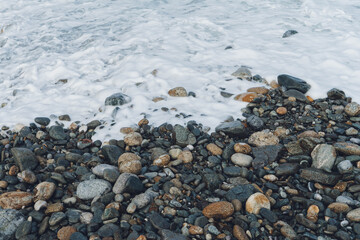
{"points": [[104, 47]]}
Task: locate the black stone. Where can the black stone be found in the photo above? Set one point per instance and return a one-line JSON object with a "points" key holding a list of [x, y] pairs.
{"points": [[212, 180], [268, 215], [316, 175], [296, 94], [241, 192], [305, 222], [169, 235], [44, 121], [336, 94], [24, 158], [287, 169], [289, 33], [108, 230], [158, 221], [255, 122], [57, 133], [78, 236], [290, 82], [235, 128], [133, 185], [23, 229], [112, 153], [117, 99]]}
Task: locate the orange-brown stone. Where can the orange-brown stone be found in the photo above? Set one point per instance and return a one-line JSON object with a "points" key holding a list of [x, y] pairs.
{"points": [[220, 210], [313, 213], [246, 97], [143, 121], [281, 110], [255, 202], [339, 207], [239, 233], [242, 148], [196, 230], [214, 149], [65, 232], [274, 84], [15, 200], [258, 90]]}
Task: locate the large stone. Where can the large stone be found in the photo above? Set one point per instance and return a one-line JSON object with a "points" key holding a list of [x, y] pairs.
{"points": [[335, 94], [352, 109], [290, 82], [15, 200], [265, 155], [263, 138], [117, 99], [128, 182], [99, 169], [296, 94], [44, 121], [89, 189], [178, 92], [44, 191], [158, 221], [323, 156], [133, 139], [241, 159], [183, 136], [219, 210], [10, 220], [255, 122], [354, 215], [240, 192], [24, 158], [111, 153], [347, 148], [235, 128], [317, 175]]}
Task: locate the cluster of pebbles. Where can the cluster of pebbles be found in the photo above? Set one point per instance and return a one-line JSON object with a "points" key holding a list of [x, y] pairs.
{"points": [[289, 170]]}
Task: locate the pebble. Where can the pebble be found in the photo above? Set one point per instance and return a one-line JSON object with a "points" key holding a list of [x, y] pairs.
{"points": [[219, 210], [290, 82], [323, 156], [117, 99], [10, 220], [339, 207], [313, 213], [24, 158], [347, 148], [239, 233], [352, 109], [354, 215], [65, 233], [196, 230], [255, 202], [133, 139], [263, 138], [281, 110], [178, 92], [246, 97], [345, 167], [242, 148], [235, 128], [162, 161], [99, 169], [15, 200], [44, 191], [213, 149], [185, 156], [241, 159]]}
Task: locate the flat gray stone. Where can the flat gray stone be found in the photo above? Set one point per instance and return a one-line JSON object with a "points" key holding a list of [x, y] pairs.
{"points": [[316, 175], [323, 156], [235, 128], [10, 220], [91, 188]]}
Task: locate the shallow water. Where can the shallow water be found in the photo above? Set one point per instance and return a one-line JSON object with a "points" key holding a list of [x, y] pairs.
{"points": [[104, 47]]}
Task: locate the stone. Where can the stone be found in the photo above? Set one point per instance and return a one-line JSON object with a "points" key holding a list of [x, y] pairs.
{"points": [[313, 213], [323, 156], [65, 233], [219, 210], [263, 138], [345, 167], [305, 222], [89, 189], [242, 148], [352, 109], [158, 222], [79, 236], [255, 202], [185, 156], [162, 161], [54, 207], [281, 110], [239, 233], [133, 139], [183, 136], [351, 132], [243, 73], [108, 230], [268, 215], [255, 122], [27, 176], [174, 153], [178, 92], [195, 230], [24, 158], [40, 204], [99, 169], [316, 175], [290, 82], [338, 207], [130, 166], [347, 148], [308, 134], [128, 182], [295, 94], [44, 121], [15, 200], [258, 90], [235, 128], [110, 213], [117, 99], [128, 156], [214, 149], [289, 33], [57, 133], [241, 159], [246, 97], [240, 192], [23, 229], [10, 220], [142, 200], [169, 235], [56, 218], [336, 94], [111, 153], [286, 230], [354, 215], [44, 191], [287, 169]]}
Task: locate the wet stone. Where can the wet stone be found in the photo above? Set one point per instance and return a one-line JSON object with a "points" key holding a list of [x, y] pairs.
{"points": [[235, 128], [255, 122], [23, 230], [24, 158], [336, 94], [296, 94], [268, 215], [111, 153], [57, 133], [289, 33], [183, 136], [290, 82], [56, 218], [44, 121], [117, 99]]}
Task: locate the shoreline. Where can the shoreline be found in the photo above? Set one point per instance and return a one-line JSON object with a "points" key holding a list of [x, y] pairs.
{"points": [[290, 169]]}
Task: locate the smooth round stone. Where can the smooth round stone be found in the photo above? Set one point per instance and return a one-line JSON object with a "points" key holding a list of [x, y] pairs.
{"points": [[218, 210], [352, 109], [263, 138], [141, 200], [78, 236], [23, 230], [354, 215], [255, 202], [111, 175], [56, 218], [241, 159], [65, 232], [345, 167], [99, 169], [91, 188], [232, 171], [44, 121]]}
